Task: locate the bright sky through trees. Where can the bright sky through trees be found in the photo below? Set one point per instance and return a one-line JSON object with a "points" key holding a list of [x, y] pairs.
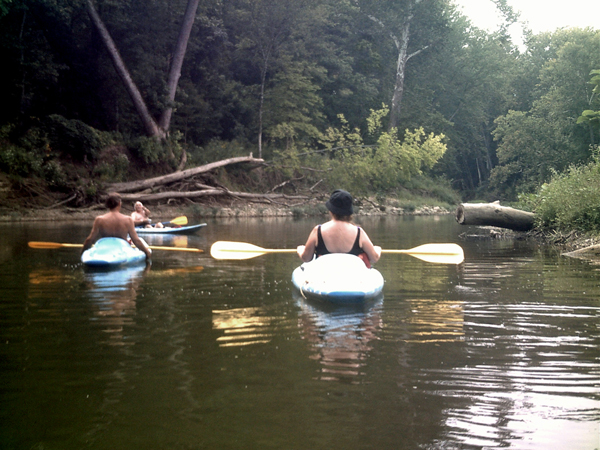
{"points": [[540, 15]]}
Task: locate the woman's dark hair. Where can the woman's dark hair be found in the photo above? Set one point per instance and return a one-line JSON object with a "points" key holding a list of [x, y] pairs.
{"points": [[342, 218], [113, 200]]}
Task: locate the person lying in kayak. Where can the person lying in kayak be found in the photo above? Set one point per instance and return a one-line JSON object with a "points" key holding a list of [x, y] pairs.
{"points": [[141, 216], [339, 235], [115, 224]]}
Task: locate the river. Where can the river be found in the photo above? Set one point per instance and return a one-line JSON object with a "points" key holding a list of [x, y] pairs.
{"points": [[499, 352]]}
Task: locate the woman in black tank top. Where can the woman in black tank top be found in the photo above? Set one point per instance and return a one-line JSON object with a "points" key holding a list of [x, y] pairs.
{"points": [[339, 235]]}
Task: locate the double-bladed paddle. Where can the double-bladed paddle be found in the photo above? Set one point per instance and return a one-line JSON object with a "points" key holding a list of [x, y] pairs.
{"points": [[51, 245], [434, 253]]}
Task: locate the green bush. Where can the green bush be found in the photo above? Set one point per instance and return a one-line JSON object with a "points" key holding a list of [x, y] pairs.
{"points": [[72, 137], [571, 200], [15, 160]]}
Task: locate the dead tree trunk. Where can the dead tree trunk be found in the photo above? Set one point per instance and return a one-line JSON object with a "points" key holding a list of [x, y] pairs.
{"points": [[492, 214], [170, 178], [261, 198]]}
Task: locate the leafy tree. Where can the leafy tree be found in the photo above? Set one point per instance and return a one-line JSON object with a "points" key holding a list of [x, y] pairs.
{"points": [[474, 83], [264, 43], [547, 138], [412, 26], [589, 116]]}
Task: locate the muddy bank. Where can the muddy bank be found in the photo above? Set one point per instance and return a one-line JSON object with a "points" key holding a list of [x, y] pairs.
{"points": [[198, 212], [584, 244]]}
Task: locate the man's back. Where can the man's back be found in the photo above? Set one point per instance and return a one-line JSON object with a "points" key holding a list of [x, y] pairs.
{"points": [[113, 224]]}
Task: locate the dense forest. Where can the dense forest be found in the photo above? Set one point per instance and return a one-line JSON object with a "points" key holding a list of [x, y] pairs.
{"points": [[364, 94]]}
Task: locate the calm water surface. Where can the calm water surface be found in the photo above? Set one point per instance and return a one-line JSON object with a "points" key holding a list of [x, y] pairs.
{"points": [[501, 351]]}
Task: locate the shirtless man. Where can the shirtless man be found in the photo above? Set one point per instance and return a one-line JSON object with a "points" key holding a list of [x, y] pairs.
{"points": [[141, 216], [115, 224]]}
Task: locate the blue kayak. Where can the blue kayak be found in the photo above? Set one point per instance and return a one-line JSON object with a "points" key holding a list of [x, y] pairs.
{"points": [[170, 230], [112, 252], [338, 278]]}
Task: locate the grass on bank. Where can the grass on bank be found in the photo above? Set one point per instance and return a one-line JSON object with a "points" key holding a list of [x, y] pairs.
{"points": [[569, 201]]}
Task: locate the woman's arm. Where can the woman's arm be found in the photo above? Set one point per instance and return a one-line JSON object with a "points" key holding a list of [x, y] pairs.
{"points": [[306, 252], [372, 251]]}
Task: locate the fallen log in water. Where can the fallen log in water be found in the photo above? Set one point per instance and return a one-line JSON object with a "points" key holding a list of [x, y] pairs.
{"points": [[492, 214], [592, 253]]}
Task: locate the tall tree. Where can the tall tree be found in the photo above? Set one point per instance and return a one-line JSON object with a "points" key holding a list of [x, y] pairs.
{"points": [[154, 129], [264, 29], [398, 20]]}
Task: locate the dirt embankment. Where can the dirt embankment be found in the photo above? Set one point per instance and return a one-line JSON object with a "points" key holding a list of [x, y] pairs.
{"points": [[584, 245], [241, 209]]}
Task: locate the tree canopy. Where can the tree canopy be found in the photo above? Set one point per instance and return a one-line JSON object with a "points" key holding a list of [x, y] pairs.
{"points": [[300, 83]]}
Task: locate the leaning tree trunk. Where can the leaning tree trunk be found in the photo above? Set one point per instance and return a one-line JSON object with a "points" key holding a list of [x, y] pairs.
{"points": [[150, 183], [152, 128], [175, 72], [492, 214]]}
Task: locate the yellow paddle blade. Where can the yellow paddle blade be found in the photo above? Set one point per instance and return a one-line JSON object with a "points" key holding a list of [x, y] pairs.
{"points": [[242, 250], [50, 245], [181, 220], [53, 245], [176, 249], [435, 253]]}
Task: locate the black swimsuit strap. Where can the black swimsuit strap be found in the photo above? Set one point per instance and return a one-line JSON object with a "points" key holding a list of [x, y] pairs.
{"points": [[321, 249]]}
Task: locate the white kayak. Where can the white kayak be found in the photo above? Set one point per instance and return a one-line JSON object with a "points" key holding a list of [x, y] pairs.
{"points": [[112, 252], [339, 278]]}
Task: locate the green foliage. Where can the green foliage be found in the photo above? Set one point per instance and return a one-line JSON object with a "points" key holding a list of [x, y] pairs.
{"points": [[570, 200], [116, 169], [532, 147], [32, 157], [434, 187], [155, 152], [293, 106], [17, 161], [383, 166], [590, 116], [215, 150], [72, 137], [4, 7], [20, 159], [547, 137]]}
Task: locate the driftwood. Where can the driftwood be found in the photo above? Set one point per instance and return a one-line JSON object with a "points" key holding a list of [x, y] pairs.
{"points": [[177, 176], [591, 253], [492, 214], [266, 198]]}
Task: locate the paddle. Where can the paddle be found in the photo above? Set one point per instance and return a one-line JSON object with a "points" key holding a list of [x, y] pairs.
{"points": [[181, 220], [434, 253], [51, 245]]}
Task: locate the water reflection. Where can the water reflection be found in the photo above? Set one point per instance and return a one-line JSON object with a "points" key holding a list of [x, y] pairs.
{"points": [[340, 336], [173, 240], [113, 294], [435, 320], [244, 326], [525, 376]]}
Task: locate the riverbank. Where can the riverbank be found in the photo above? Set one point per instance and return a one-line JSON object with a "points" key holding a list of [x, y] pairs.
{"points": [[563, 242], [199, 212]]}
